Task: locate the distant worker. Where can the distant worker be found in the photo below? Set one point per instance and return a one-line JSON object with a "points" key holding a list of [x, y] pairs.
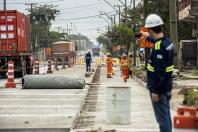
{"points": [[109, 62], [88, 61], [159, 71], [125, 67]]}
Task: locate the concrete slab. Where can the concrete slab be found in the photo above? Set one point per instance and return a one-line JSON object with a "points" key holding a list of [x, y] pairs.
{"points": [[41, 110], [142, 115], [38, 102], [39, 96]]}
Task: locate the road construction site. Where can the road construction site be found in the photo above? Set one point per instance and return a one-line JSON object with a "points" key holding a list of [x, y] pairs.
{"points": [[78, 110]]}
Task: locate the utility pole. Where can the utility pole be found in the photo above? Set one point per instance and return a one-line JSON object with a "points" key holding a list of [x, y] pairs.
{"points": [[125, 11], [31, 23], [4, 3], [31, 10], [197, 39], [59, 28], [67, 29], [126, 23], [134, 43], [173, 29], [147, 50], [114, 18], [119, 13]]}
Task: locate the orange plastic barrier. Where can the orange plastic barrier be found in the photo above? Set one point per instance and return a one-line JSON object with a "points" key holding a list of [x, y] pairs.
{"points": [[186, 118]]}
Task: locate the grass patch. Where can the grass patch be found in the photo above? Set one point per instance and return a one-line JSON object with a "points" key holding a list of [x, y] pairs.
{"points": [[185, 78], [140, 73], [195, 73], [191, 98]]}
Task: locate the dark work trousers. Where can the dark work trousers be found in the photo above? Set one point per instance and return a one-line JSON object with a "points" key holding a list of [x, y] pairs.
{"points": [[162, 113], [88, 67]]}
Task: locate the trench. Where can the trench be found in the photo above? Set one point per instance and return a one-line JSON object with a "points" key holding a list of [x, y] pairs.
{"points": [[86, 118]]}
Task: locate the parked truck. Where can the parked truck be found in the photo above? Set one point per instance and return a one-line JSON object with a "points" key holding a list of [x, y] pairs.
{"points": [[63, 49], [15, 42], [96, 50]]}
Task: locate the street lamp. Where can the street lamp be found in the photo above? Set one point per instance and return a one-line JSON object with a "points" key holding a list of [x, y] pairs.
{"points": [[108, 16]]}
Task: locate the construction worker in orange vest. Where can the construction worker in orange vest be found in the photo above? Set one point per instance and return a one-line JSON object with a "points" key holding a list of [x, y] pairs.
{"points": [[125, 67], [109, 62]]}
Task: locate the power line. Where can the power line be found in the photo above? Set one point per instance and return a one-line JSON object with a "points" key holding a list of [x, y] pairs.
{"points": [[90, 22], [94, 4], [37, 3], [78, 18], [14, 3], [84, 9], [52, 1], [92, 28]]}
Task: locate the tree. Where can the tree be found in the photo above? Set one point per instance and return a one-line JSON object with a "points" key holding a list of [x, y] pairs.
{"points": [[119, 35], [42, 17], [105, 41]]}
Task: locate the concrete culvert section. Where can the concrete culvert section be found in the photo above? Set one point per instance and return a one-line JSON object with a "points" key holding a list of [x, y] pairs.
{"points": [[52, 82], [118, 108]]}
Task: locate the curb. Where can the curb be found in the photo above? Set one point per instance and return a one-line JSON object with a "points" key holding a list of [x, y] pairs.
{"points": [[142, 83]]}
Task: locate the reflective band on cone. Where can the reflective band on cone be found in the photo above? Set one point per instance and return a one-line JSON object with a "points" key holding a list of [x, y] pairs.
{"points": [[10, 80], [49, 70], [36, 67]]}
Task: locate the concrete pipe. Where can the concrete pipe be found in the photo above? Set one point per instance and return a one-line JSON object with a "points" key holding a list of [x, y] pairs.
{"points": [[52, 82]]}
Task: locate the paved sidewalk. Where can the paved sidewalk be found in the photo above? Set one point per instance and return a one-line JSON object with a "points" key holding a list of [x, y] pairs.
{"points": [[142, 116]]}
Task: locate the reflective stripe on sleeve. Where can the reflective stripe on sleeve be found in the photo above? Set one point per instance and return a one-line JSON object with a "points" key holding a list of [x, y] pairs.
{"points": [[150, 68], [170, 68]]}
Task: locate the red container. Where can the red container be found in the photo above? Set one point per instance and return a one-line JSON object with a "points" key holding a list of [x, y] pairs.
{"points": [[16, 37]]}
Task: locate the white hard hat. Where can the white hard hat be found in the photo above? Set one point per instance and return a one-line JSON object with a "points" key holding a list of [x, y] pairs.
{"points": [[153, 20]]}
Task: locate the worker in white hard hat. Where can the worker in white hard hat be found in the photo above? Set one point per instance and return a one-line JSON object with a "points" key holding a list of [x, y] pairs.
{"points": [[159, 71], [88, 61]]}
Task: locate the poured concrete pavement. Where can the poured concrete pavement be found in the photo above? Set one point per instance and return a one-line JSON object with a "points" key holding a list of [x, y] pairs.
{"points": [[41, 110]]}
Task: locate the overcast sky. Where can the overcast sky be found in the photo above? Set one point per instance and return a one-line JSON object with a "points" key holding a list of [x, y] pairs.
{"points": [[73, 10]]}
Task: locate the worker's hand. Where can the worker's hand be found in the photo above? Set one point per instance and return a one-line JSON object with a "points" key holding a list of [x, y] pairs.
{"points": [[144, 34], [154, 97]]}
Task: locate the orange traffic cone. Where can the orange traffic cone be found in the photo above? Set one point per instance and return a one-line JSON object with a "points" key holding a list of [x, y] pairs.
{"points": [[36, 67], [49, 69]]}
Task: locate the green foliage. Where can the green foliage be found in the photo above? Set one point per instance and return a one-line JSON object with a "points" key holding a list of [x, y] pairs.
{"points": [[118, 35], [41, 19], [160, 7], [191, 98], [139, 72], [123, 34], [195, 73], [44, 14], [105, 41]]}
